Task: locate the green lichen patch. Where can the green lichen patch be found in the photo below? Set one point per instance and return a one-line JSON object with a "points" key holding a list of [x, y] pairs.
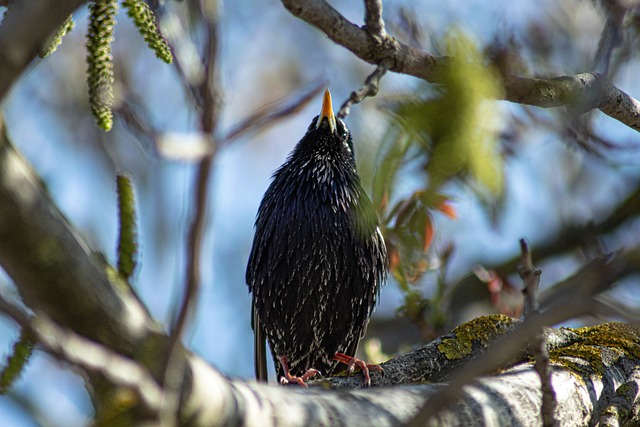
{"points": [[598, 346], [620, 336], [480, 331]]}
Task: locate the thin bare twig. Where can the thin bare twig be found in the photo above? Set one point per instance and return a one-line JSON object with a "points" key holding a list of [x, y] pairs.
{"points": [[373, 19], [595, 277], [206, 97], [542, 366], [270, 113], [531, 278], [370, 88], [611, 36]]}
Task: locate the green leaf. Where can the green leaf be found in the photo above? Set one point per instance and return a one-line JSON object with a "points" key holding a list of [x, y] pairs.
{"points": [[392, 151], [458, 127]]}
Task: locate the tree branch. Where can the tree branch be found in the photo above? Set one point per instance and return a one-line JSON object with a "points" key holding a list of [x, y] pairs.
{"points": [[207, 91], [53, 269], [88, 355], [514, 393], [208, 398], [584, 91], [373, 19], [594, 278], [269, 113], [370, 88], [537, 344], [572, 236]]}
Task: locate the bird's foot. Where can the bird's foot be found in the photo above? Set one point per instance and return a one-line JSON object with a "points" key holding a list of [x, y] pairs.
{"points": [[288, 379], [353, 363]]}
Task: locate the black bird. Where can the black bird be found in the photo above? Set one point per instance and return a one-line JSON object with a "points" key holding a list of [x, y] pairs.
{"points": [[318, 258]]}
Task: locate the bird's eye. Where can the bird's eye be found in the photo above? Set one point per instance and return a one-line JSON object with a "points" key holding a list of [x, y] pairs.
{"points": [[342, 130]]}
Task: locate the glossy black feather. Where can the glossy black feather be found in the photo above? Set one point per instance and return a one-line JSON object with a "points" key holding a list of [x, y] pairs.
{"points": [[318, 258]]}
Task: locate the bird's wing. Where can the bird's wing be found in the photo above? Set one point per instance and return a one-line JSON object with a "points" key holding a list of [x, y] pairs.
{"points": [[260, 348]]}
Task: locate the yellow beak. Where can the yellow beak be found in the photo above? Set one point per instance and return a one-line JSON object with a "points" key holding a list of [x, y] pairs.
{"points": [[327, 111]]}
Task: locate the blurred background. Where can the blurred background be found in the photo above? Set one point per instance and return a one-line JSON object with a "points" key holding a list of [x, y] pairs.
{"points": [[557, 180]]}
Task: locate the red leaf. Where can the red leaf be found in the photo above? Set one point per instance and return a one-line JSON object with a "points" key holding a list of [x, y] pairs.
{"points": [[394, 257], [428, 233], [447, 208]]}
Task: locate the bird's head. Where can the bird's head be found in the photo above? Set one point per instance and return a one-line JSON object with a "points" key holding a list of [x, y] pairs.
{"points": [[328, 130]]}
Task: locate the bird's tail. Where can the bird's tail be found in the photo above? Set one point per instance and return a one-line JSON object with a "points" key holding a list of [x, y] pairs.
{"points": [[260, 349]]}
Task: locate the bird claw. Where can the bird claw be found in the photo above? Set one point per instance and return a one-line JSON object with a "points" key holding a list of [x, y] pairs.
{"points": [[288, 379], [352, 363]]}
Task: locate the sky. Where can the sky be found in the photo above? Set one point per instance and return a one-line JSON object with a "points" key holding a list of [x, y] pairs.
{"points": [[266, 54]]}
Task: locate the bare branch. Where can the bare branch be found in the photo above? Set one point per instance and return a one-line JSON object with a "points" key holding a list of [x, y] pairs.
{"points": [[370, 88], [611, 36], [592, 279], [586, 91], [531, 278], [208, 96], [624, 401], [373, 19], [514, 394], [53, 268], [268, 114]]}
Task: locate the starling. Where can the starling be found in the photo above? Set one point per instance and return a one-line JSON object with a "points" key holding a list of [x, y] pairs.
{"points": [[318, 258]]}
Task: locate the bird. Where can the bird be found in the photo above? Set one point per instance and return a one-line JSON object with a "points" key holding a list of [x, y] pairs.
{"points": [[318, 258]]}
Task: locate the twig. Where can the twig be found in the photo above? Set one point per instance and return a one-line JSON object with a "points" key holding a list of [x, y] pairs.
{"points": [[609, 307], [574, 236], [595, 277], [373, 19], [543, 368], [89, 355], [268, 114], [611, 36], [370, 88], [206, 96], [531, 278]]}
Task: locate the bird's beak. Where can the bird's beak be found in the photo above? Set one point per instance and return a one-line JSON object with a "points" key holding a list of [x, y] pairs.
{"points": [[327, 111]]}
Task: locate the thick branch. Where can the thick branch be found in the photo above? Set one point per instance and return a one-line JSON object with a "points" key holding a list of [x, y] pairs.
{"points": [[514, 395], [582, 91], [52, 268]]}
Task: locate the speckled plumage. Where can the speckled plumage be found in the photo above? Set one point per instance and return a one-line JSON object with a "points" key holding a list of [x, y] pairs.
{"points": [[318, 258]]}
